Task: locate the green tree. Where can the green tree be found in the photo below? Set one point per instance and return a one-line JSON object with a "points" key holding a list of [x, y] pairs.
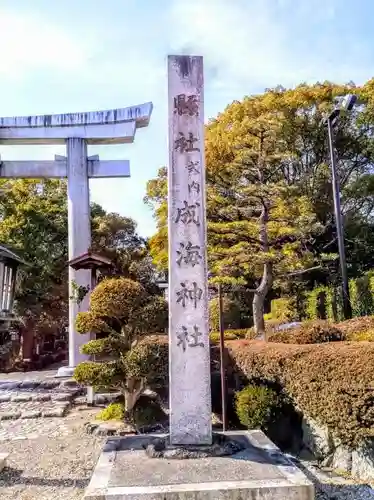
{"points": [[33, 216], [231, 314], [121, 314], [269, 203]]}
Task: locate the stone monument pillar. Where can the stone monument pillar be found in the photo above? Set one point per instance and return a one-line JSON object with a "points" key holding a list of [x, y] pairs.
{"points": [[190, 393]]}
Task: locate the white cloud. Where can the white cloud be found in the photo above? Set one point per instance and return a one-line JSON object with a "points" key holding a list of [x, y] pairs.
{"points": [[258, 43], [31, 42]]}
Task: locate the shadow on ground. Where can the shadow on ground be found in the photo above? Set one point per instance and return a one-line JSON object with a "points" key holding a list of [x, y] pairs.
{"points": [[12, 477]]}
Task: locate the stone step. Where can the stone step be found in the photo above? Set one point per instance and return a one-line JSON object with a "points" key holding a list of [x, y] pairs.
{"points": [[40, 385], [33, 409], [31, 399]]}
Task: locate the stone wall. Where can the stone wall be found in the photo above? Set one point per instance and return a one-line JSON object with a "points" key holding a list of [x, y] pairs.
{"points": [[318, 440]]}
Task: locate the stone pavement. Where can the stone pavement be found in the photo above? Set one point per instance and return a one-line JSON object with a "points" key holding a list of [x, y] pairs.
{"points": [[33, 404], [17, 430], [37, 398]]}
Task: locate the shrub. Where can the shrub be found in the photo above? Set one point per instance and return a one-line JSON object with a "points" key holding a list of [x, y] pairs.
{"points": [[147, 411], [331, 383], [316, 303], [356, 325], [122, 314], [365, 336], [316, 332], [229, 335], [231, 314], [114, 411], [283, 310], [256, 406]]}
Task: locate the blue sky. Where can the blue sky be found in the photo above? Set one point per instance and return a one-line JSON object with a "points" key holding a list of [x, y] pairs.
{"points": [[83, 55]]}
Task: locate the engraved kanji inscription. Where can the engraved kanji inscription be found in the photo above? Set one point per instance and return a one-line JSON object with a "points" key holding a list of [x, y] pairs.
{"points": [[186, 105], [192, 339], [194, 187], [188, 214], [186, 294], [192, 167], [186, 144], [189, 254]]}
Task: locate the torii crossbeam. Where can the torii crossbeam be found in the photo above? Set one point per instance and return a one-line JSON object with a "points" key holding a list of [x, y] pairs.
{"points": [[76, 130]]}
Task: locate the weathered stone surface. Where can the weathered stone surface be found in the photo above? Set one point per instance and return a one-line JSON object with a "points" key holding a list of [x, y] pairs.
{"points": [[10, 415], [342, 459], [9, 386], [64, 396], [110, 428], [29, 384], [363, 462], [80, 400], [57, 411], [317, 439], [3, 459], [49, 384], [31, 414], [259, 472], [41, 397], [222, 446], [190, 395], [21, 398], [69, 384], [104, 398], [4, 398]]}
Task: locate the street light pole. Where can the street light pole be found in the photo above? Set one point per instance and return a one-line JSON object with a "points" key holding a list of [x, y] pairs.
{"points": [[347, 308]]}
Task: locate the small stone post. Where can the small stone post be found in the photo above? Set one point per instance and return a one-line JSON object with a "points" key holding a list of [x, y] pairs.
{"points": [[190, 392]]}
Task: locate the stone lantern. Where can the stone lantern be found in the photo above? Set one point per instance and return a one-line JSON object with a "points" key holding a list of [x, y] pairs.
{"points": [[9, 336], [9, 262], [94, 262]]}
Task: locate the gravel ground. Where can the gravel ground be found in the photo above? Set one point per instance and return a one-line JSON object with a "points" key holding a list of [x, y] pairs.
{"points": [[329, 486], [56, 466]]}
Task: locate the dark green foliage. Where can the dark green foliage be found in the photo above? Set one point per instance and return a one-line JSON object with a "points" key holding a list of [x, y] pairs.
{"points": [[147, 411], [331, 383], [256, 406], [284, 309], [231, 314], [122, 313]]}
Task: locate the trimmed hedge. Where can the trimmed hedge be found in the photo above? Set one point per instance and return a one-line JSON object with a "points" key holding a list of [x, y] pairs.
{"points": [[256, 406], [316, 332], [229, 335], [331, 383], [356, 326], [283, 310]]}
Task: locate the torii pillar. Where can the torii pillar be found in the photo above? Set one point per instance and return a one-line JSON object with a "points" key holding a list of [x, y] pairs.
{"points": [[76, 130]]}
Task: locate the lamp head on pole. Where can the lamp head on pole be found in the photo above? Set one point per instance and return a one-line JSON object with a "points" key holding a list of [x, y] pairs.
{"points": [[346, 102], [342, 103]]}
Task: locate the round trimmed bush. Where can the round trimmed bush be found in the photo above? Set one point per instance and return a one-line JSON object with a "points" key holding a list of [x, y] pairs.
{"points": [[256, 406], [114, 411], [116, 298]]}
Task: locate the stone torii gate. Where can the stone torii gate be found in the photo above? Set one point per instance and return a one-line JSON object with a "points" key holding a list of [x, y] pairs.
{"points": [[76, 130]]}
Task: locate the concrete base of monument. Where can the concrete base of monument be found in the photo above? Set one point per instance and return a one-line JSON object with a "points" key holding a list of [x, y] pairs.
{"points": [[259, 471]]}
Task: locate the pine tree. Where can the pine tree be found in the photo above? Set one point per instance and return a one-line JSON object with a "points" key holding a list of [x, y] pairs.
{"points": [[121, 315]]}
